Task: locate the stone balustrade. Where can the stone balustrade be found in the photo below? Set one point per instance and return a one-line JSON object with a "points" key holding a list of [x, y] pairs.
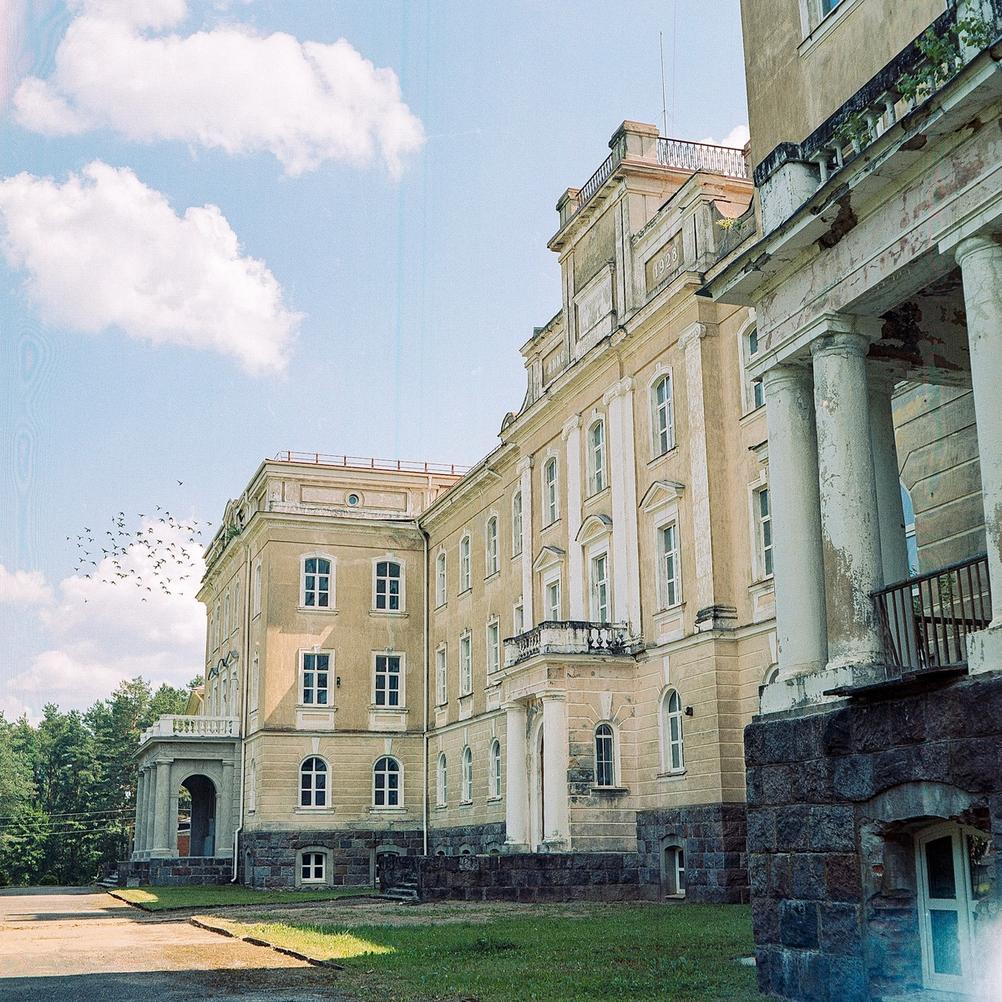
{"points": [[171, 727], [571, 637]]}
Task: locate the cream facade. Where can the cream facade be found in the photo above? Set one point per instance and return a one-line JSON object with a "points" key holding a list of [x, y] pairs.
{"points": [[580, 624]]}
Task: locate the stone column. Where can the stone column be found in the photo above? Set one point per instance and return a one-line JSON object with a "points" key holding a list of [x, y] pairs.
{"points": [[148, 802], [525, 485], [161, 811], [850, 535], [224, 813], [890, 513], [980, 260], [575, 561], [516, 777], [555, 763], [137, 835], [796, 520]]}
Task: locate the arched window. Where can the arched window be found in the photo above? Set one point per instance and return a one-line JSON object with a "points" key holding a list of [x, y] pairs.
{"points": [[664, 415], [389, 594], [465, 567], [316, 586], [313, 783], [440, 580], [596, 456], [467, 791], [516, 524], [550, 491], [386, 791], [673, 871], [605, 755], [252, 787], [441, 781], [495, 777], [671, 731], [491, 546], [257, 589]]}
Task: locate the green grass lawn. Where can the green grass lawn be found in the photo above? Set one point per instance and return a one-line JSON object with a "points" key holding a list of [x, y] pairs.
{"points": [[156, 899], [678, 953]]}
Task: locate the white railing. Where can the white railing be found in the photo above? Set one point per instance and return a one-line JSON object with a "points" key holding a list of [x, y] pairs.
{"points": [[574, 637], [702, 156], [192, 727]]}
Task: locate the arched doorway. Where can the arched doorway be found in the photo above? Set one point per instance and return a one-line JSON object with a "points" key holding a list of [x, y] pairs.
{"points": [[196, 828], [954, 868], [536, 800]]}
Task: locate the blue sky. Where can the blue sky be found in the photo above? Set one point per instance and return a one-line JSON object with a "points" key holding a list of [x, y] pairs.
{"points": [[408, 289]]}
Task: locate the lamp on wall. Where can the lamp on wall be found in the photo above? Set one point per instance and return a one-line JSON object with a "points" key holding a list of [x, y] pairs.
{"points": [[688, 711]]}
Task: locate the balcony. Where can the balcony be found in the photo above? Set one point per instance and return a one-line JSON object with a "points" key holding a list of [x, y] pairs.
{"points": [[573, 638], [173, 728], [925, 621]]}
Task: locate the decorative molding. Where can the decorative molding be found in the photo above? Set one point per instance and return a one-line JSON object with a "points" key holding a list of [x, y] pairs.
{"points": [[547, 557], [592, 526], [660, 494]]}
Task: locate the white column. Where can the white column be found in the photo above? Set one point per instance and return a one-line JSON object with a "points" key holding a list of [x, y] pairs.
{"points": [[137, 835], [890, 513], [516, 777], [161, 811], [796, 521], [525, 486], [618, 400], [555, 764], [850, 533], [224, 813], [148, 801], [575, 563], [980, 260]]}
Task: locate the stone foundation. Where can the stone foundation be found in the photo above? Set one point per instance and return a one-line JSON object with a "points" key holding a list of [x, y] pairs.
{"points": [[268, 859], [713, 838], [558, 876], [176, 871], [467, 840], [835, 801]]}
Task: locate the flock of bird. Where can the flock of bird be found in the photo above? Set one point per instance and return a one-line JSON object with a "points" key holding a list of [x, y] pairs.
{"points": [[151, 555]]}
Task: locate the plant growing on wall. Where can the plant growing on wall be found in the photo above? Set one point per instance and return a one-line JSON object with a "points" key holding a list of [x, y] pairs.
{"points": [[943, 56]]}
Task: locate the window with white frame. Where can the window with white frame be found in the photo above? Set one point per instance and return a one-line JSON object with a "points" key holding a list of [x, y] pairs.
{"points": [[316, 678], [257, 589], [596, 457], [491, 546], [441, 675], [465, 565], [218, 621], [495, 774], [388, 677], [237, 609], [441, 781], [599, 575], [669, 565], [316, 587], [763, 526], [313, 868], [518, 618], [226, 616], [440, 580], [389, 589], [673, 869], [516, 524], [467, 790], [671, 731], [386, 787], [754, 388], [605, 755], [465, 664], [550, 491], [493, 646], [313, 782], [664, 415], [551, 599]]}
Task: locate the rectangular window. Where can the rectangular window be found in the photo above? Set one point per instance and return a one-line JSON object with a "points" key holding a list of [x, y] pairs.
{"points": [[465, 664], [754, 388], [387, 680], [257, 589], [671, 574], [600, 588], [516, 524], [827, 6], [226, 616], [518, 619], [465, 569], [550, 491], [255, 681], [551, 594], [492, 546], [313, 866], [316, 675], [664, 416], [596, 441], [388, 586], [764, 516], [316, 582], [440, 580], [493, 646], [441, 676]]}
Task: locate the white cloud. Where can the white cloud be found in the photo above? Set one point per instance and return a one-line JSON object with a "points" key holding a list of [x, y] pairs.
{"points": [[736, 138], [98, 634], [225, 88], [23, 588], [102, 251]]}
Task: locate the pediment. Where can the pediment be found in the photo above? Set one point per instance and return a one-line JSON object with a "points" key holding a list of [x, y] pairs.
{"points": [[594, 525], [660, 494], [547, 557]]}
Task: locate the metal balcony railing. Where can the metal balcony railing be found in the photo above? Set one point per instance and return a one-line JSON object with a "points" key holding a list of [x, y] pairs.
{"points": [[925, 620], [684, 155], [570, 637], [368, 463]]}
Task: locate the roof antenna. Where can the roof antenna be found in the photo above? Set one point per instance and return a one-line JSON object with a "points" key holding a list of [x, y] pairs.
{"points": [[664, 93]]}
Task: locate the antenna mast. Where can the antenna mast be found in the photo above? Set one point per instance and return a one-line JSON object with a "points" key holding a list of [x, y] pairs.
{"points": [[664, 93]]}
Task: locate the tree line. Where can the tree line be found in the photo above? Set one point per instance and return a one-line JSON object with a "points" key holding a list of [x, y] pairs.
{"points": [[68, 785]]}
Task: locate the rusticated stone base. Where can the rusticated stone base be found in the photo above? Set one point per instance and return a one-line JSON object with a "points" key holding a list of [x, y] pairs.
{"points": [[558, 876], [467, 840], [836, 800], [713, 838], [176, 871], [268, 859]]}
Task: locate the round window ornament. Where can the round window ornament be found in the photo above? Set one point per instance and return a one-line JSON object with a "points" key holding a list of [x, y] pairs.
{"points": [[354, 500]]}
